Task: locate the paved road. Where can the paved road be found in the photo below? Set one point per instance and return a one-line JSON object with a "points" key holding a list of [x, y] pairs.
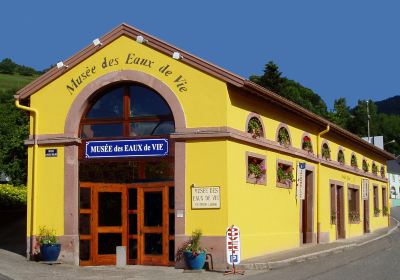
{"points": [[376, 260]]}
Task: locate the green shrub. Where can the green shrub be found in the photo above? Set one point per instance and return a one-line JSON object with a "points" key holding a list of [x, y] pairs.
{"points": [[12, 197]]}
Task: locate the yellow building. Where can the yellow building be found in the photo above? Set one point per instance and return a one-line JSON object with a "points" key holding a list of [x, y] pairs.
{"points": [[137, 143]]}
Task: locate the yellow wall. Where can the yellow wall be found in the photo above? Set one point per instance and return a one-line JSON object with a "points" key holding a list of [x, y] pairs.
{"points": [[54, 100], [268, 216], [206, 166], [203, 91]]}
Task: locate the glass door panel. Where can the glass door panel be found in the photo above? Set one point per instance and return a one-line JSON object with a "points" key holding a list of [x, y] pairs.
{"points": [[153, 209], [153, 230], [110, 222]]}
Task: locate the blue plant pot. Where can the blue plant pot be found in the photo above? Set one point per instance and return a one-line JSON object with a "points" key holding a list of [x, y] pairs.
{"points": [[195, 262], [50, 252]]}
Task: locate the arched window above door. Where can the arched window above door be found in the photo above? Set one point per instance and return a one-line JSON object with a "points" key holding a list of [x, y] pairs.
{"points": [[127, 110]]}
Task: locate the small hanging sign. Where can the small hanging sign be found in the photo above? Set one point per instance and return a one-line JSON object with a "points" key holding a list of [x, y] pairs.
{"points": [[365, 189], [301, 180]]}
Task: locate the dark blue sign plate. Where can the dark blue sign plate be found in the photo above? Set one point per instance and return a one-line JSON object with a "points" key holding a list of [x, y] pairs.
{"points": [[127, 148]]}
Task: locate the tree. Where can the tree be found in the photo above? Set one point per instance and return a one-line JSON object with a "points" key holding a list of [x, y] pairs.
{"points": [[13, 132], [272, 79], [7, 66], [341, 113], [359, 123]]}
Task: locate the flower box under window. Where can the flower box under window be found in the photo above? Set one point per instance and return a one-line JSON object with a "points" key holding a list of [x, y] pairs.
{"points": [[353, 161], [283, 137], [340, 157], [307, 145], [374, 169], [254, 127], [284, 175], [256, 169], [326, 152]]}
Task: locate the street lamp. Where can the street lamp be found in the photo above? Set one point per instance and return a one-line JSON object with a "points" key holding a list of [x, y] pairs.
{"points": [[390, 142]]}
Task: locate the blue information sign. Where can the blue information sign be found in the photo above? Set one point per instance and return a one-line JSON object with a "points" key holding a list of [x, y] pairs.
{"points": [[127, 148]]}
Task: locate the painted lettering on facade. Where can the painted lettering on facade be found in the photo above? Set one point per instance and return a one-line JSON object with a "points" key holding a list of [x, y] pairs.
{"points": [[179, 81]]}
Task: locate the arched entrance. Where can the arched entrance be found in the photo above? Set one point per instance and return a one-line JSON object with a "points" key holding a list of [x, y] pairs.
{"points": [[126, 200]]}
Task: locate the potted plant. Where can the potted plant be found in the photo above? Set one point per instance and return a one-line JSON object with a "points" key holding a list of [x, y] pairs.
{"points": [[325, 152], [192, 252], [365, 166], [283, 137], [307, 144], [377, 211], [49, 246], [255, 127], [256, 168], [383, 172], [285, 175], [374, 169], [340, 157], [353, 161], [354, 216], [385, 211]]}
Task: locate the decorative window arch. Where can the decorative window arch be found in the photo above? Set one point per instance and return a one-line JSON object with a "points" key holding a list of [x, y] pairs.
{"points": [[365, 165], [283, 135], [340, 156], [306, 143], [374, 168], [127, 110], [353, 161], [383, 173], [325, 150], [254, 125]]}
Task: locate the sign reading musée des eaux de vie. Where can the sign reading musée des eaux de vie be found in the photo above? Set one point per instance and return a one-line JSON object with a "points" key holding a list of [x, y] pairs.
{"points": [[127, 148]]}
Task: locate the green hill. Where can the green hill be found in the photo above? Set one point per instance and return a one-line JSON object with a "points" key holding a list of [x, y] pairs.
{"points": [[16, 82], [389, 106]]}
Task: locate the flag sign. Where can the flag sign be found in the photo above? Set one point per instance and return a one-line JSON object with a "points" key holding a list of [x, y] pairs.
{"points": [[301, 180], [233, 245]]}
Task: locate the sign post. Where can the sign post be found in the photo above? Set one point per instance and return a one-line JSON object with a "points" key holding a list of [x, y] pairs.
{"points": [[233, 249], [301, 180]]}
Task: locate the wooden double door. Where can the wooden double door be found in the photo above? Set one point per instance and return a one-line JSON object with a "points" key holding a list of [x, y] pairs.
{"points": [[137, 216]]}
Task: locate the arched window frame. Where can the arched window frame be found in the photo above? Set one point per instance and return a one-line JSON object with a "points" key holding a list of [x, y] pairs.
{"points": [[342, 159], [325, 150], [374, 168], [353, 160], [126, 120], [306, 147], [365, 165], [255, 134], [284, 142], [383, 171]]}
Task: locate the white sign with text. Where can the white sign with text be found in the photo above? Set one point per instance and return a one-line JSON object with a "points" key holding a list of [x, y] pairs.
{"points": [[301, 180], [206, 198]]}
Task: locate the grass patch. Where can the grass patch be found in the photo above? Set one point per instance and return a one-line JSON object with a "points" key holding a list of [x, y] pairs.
{"points": [[8, 82]]}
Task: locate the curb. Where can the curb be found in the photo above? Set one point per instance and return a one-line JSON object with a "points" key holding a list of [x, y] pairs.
{"points": [[312, 256]]}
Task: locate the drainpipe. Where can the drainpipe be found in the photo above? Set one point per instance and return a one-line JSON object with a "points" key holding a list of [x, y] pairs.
{"points": [[319, 180], [34, 168]]}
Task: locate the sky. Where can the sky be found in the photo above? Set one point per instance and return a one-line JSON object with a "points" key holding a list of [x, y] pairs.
{"points": [[336, 48]]}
